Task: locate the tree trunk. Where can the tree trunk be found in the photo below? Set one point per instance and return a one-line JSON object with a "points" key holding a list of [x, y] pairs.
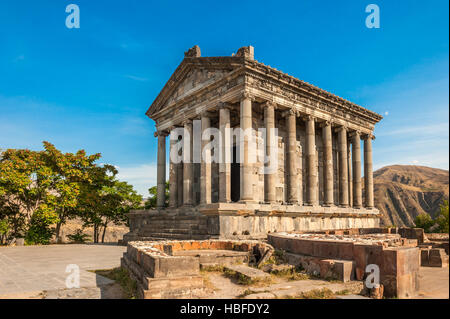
{"points": [[58, 231], [104, 231], [95, 233]]}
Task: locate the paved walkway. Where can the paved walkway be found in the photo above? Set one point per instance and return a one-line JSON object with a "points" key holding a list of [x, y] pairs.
{"points": [[433, 283], [27, 271]]}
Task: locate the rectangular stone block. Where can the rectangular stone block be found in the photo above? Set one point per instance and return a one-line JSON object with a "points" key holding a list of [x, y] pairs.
{"points": [[438, 258], [399, 271], [345, 270], [424, 257], [169, 288], [177, 266], [365, 255]]}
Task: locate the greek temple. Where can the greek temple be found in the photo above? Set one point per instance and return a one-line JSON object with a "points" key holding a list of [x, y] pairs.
{"points": [[320, 178]]}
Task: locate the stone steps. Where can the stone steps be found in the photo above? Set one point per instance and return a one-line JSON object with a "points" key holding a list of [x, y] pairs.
{"points": [[175, 226], [172, 230], [175, 236]]}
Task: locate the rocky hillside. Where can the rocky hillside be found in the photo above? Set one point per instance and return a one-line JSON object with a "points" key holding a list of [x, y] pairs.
{"points": [[404, 191]]}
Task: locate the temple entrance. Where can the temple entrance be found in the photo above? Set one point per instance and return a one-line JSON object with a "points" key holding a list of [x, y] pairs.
{"points": [[235, 178]]}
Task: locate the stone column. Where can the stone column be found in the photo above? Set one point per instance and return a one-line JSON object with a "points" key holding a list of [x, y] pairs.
{"points": [[356, 153], [187, 164], [350, 179], [225, 160], [173, 172], [205, 175], [368, 174], [270, 177], [161, 172], [327, 164], [311, 168], [343, 168], [246, 166], [291, 156]]}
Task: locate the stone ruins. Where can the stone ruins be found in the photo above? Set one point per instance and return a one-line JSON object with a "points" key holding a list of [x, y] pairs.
{"points": [[316, 183], [302, 204]]}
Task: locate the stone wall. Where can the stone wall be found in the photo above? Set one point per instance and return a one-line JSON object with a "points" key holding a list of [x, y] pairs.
{"points": [[162, 273], [397, 258]]}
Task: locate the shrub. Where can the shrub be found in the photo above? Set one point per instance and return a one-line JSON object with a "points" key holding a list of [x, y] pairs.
{"points": [[442, 218], [424, 221], [79, 237]]}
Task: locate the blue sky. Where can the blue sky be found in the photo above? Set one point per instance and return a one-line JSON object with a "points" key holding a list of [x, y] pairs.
{"points": [[90, 87]]}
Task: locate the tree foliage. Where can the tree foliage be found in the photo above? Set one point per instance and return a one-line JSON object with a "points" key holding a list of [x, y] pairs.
{"points": [[39, 189], [439, 224], [442, 218], [424, 221], [151, 201]]}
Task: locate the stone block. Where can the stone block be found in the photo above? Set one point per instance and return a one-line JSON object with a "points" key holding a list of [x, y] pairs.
{"points": [[177, 266], [424, 257], [344, 270], [169, 288], [365, 255], [399, 271], [252, 274], [437, 258]]}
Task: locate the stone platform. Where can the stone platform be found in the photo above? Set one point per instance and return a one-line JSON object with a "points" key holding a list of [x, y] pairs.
{"points": [[243, 221], [171, 269], [397, 258]]}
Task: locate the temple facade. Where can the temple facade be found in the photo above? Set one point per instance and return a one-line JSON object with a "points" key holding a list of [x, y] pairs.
{"points": [[298, 167]]}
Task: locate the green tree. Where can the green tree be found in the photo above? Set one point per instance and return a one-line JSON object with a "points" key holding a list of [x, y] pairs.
{"points": [[442, 218], [107, 201], [424, 221], [151, 201], [23, 188], [68, 172], [40, 189], [118, 199]]}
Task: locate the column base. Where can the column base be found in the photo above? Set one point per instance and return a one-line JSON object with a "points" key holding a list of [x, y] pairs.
{"points": [[247, 201]]}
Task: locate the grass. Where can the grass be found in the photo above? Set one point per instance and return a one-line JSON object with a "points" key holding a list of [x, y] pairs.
{"points": [[250, 292], [323, 293], [214, 268], [122, 277], [246, 281], [278, 257], [291, 274]]}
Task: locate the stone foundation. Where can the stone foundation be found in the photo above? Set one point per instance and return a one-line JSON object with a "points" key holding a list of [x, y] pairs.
{"points": [[243, 221], [397, 258], [171, 269]]}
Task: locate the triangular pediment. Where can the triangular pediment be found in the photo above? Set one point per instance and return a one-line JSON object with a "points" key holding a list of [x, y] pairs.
{"points": [[192, 75]]}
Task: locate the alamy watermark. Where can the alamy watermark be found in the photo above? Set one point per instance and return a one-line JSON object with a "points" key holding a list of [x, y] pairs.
{"points": [[73, 279], [73, 19], [373, 19], [213, 145]]}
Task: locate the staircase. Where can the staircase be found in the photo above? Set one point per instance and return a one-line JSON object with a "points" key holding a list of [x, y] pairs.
{"points": [[175, 227]]}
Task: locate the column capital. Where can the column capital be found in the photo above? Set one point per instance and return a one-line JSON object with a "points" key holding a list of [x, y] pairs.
{"points": [[353, 133], [340, 128], [289, 112], [368, 136], [326, 123], [207, 114], [269, 104], [187, 121], [224, 105], [248, 95], [161, 133], [308, 117]]}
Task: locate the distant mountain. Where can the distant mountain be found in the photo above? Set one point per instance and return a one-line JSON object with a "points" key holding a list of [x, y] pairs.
{"points": [[404, 191]]}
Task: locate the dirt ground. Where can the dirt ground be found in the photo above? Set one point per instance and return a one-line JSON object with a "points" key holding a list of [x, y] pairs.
{"points": [[221, 287], [433, 283]]}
